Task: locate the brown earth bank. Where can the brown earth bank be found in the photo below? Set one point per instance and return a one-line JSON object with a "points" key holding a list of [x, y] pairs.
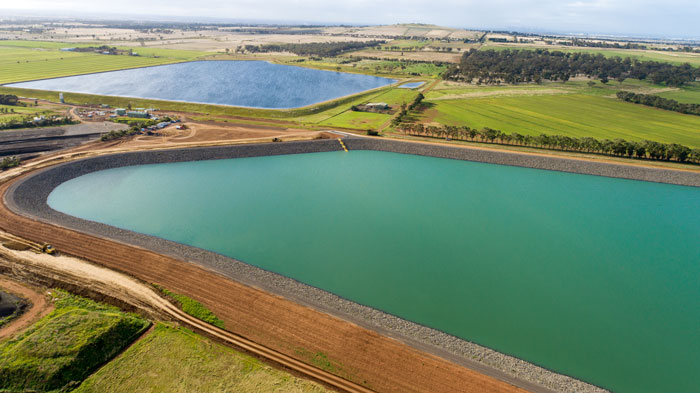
{"points": [[358, 354], [39, 306]]}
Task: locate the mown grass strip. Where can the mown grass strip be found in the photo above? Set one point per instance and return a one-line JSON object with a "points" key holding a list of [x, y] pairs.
{"points": [[192, 307], [64, 347], [171, 359]]}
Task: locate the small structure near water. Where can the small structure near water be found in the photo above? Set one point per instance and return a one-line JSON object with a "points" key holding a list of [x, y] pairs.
{"points": [[377, 105]]}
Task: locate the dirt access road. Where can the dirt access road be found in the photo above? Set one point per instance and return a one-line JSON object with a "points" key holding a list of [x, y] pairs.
{"points": [[141, 296], [39, 306]]}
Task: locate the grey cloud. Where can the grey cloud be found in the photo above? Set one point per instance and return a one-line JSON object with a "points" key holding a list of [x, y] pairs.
{"points": [[643, 17]]}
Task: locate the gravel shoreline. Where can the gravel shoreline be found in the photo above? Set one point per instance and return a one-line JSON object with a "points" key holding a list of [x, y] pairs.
{"points": [[28, 197]]}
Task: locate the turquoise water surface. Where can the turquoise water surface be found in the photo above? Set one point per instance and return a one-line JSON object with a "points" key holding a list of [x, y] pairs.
{"points": [[594, 277]]}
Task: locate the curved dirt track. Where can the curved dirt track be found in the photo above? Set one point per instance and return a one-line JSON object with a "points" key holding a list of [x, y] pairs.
{"points": [[299, 333], [113, 284], [38, 308]]}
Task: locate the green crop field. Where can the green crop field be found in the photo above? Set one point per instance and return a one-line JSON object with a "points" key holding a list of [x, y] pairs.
{"points": [[64, 347], [687, 94], [30, 60], [448, 90], [40, 44], [173, 359], [179, 54], [568, 114], [396, 96]]}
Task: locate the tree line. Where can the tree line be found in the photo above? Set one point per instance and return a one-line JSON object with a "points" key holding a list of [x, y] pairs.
{"points": [[525, 66], [603, 44], [8, 99], [28, 122], [659, 102], [324, 49], [400, 117], [618, 147], [118, 134]]}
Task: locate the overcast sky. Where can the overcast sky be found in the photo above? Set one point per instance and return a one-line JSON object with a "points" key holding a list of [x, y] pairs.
{"points": [[670, 18]]}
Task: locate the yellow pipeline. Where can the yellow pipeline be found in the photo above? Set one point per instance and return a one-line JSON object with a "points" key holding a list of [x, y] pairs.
{"points": [[342, 144]]}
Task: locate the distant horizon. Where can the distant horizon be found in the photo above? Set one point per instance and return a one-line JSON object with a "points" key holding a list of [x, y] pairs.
{"points": [[600, 18]]}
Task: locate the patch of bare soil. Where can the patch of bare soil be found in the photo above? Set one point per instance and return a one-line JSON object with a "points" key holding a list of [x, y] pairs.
{"points": [[502, 93], [203, 132], [40, 306]]}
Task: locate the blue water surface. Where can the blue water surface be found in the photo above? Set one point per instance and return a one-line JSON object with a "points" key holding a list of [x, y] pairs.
{"points": [[411, 85], [256, 84]]}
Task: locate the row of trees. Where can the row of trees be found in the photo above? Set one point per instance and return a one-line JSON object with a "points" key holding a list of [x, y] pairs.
{"points": [[324, 49], [659, 102], [28, 122], [602, 44], [104, 49], [8, 99], [524, 66], [405, 109], [617, 147]]}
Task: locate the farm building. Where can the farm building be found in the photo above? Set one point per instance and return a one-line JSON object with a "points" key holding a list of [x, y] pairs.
{"points": [[139, 114], [377, 105]]}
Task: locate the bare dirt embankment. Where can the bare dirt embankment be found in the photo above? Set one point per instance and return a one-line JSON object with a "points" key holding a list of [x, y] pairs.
{"points": [[130, 294]]}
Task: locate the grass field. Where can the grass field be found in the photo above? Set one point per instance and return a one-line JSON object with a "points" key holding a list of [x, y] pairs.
{"points": [[176, 360], [192, 307], [687, 94], [568, 114], [396, 96], [64, 347], [21, 64], [20, 112], [368, 120], [30, 60]]}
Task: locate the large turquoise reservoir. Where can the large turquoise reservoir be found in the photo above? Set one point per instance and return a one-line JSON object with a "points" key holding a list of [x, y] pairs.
{"points": [[594, 277]]}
